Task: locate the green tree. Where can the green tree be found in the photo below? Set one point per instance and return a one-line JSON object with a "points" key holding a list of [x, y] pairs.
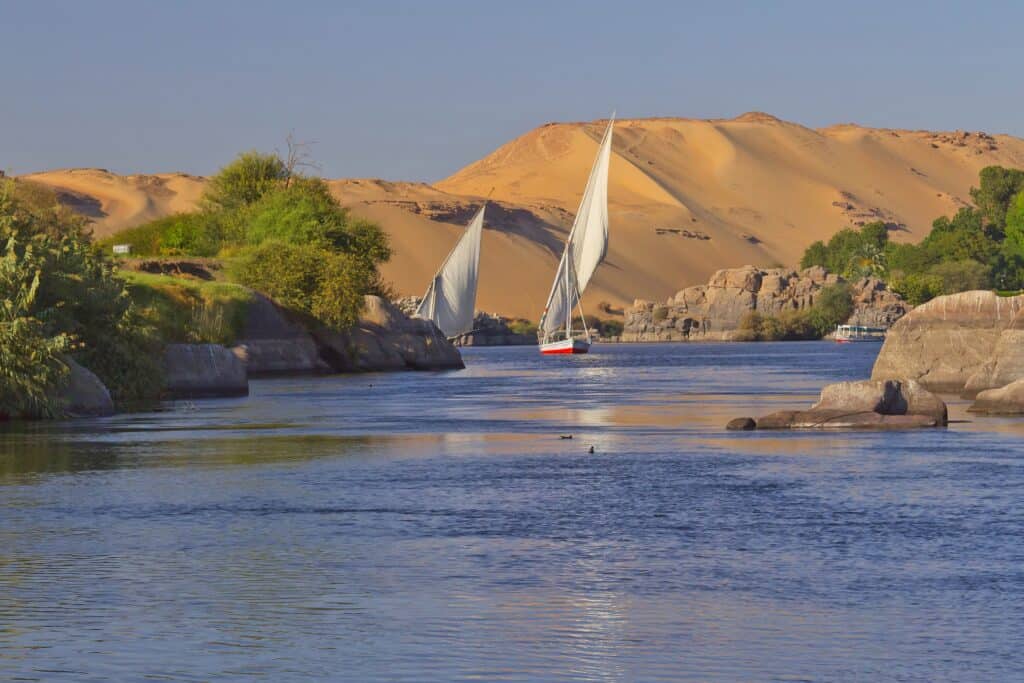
{"points": [[32, 369], [998, 186], [962, 276], [1015, 225], [245, 181], [815, 255], [917, 288], [833, 306]]}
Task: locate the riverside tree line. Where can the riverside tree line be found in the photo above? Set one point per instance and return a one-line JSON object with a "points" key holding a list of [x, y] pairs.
{"points": [[981, 247]]}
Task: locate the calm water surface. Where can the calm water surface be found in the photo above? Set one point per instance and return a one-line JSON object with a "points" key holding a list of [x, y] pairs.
{"points": [[435, 527]]}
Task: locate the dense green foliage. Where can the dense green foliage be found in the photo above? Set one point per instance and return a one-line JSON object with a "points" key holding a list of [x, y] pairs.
{"points": [[287, 234], [980, 247], [522, 326], [245, 181], [32, 369], [63, 294], [832, 307], [325, 284]]}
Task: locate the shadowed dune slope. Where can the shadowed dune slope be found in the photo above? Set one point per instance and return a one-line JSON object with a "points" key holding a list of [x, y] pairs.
{"points": [[686, 197]]}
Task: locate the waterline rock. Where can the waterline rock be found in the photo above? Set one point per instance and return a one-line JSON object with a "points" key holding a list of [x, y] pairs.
{"points": [[85, 395], [1008, 400], [203, 371], [885, 404], [948, 343]]}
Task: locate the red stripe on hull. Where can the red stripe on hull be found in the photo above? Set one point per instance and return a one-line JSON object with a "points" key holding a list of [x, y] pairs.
{"points": [[564, 348]]}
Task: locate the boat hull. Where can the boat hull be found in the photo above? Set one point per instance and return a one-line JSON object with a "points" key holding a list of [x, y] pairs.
{"points": [[565, 347], [862, 340]]}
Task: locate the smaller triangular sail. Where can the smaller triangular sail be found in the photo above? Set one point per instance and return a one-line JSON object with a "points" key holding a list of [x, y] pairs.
{"points": [[451, 298], [585, 248]]}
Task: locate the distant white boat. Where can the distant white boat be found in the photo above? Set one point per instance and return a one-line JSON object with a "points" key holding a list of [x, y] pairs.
{"points": [[848, 334], [584, 251], [450, 300]]}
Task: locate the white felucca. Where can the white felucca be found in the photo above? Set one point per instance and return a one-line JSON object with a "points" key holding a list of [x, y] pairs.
{"points": [[584, 251], [451, 298]]}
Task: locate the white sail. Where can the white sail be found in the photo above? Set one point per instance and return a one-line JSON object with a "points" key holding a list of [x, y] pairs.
{"points": [[586, 246], [451, 298]]}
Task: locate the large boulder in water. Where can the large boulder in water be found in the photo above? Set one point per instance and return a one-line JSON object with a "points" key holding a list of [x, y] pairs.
{"points": [[1007, 400], [203, 371], [387, 339], [85, 395], [882, 404], [945, 342], [1006, 364], [885, 397]]}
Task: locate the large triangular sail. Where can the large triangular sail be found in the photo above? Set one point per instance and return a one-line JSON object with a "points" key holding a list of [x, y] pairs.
{"points": [[451, 298], [585, 248]]}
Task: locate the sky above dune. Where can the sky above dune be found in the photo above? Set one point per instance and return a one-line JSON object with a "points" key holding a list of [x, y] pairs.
{"points": [[416, 90]]}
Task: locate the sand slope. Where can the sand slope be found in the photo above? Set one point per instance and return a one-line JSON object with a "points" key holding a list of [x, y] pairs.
{"points": [[686, 197]]}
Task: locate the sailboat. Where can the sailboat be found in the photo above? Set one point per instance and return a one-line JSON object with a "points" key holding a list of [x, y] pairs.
{"points": [[451, 297], [584, 251]]}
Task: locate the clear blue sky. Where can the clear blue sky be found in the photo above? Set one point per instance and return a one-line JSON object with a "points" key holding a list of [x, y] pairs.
{"points": [[416, 90]]}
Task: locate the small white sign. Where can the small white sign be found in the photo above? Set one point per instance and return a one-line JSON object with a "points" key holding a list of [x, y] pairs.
{"points": [[122, 248]]}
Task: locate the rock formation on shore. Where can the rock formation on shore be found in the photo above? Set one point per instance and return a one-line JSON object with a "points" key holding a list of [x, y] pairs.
{"points": [[889, 404], [712, 312], [963, 342], [489, 329]]}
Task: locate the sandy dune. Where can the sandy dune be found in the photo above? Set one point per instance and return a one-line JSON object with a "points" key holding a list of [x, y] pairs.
{"points": [[116, 202], [686, 197]]}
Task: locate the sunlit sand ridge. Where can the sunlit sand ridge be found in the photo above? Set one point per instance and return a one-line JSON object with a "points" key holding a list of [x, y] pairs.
{"points": [[687, 197]]}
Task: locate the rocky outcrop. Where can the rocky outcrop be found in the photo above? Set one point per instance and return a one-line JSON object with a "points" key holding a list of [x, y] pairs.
{"points": [[885, 397], [956, 343], [85, 395], [489, 329], [713, 311], [203, 371], [888, 404], [1007, 400], [274, 344], [386, 339]]}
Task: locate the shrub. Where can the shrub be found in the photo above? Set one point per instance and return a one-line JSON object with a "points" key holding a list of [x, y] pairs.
{"points": [[31, 366], [245, 181], [916, 288], [962, 276], [522, 326], [76, 296], [327, 285], [660, 314]]}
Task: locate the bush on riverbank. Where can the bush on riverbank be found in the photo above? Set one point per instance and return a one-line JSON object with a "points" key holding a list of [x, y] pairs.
{"points": [[60, 295], [268, 219], [833, 307]]}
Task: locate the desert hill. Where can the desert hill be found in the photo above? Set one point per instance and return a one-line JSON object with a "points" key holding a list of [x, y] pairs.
{"points": [[687, 197]]}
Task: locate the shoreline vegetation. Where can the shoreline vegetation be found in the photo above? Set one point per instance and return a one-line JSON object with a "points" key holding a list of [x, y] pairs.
{"points": [[66, 303]]}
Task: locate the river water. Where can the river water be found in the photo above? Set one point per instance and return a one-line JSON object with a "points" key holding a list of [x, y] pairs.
{"points": [[437, 527]]}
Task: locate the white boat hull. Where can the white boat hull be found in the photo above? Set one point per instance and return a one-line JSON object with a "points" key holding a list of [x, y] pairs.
{"points": [[565, 347]]}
